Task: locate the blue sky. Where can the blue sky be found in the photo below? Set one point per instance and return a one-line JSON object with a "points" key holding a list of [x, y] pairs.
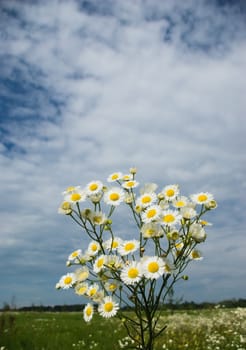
{"points": [[92, 87]]}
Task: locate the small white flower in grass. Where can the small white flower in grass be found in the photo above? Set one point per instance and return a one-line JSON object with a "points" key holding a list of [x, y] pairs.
{"points": [[75, 256], [170, 217], [88, 312], [112, 243], [151, 230], [128, 247], [108, 307], [82, 274], [153, 267], [151, 213], [81, 288], [93, 248], [195, 255], [202, 197], [171, 191], [93, 187], [67, 281], [131, 273], [146, 199], [180, 202], [114, 196], [99, 263], [114, 177], [130, 184]]}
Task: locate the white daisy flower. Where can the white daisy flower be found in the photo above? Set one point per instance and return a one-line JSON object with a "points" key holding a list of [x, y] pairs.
{"points": [[112, 244], [114, 196], [148, 188], [108, 308], [65, 208], [197, 232], [114, 177], [153, 267], [151, 230], [88, 312], [98, 297], [82, 274], [202, 197], [127, 247], [97, 218], [195, 255], [146, 199], [188, 212], [93, 248], [75, 196], [71, 189], [127, 177], [92, 290], [180, 202], [171, 191], [93, 187], [111, 286], [151, 213], [170, 217], [67, 281], [168, 266], [99, 263], [130, 184], [75, 256], [114, 262], [131, 273], [81, 288]]}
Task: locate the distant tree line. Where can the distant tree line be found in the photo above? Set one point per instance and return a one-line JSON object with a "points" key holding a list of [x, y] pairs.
{"points": [[178, 305]]}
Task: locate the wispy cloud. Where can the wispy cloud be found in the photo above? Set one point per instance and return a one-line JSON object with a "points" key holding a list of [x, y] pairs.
{"points": [[90, 87]]}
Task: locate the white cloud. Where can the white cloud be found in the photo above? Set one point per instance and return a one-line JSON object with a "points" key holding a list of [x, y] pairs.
{"points": [[129, 85]]}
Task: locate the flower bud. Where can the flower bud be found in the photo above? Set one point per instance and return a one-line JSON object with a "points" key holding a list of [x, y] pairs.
{"points": [[133, 171], [185, 277], [211, 205]]}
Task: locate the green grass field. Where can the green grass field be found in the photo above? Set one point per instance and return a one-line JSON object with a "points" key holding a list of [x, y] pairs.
{"points": [[212, 329]]}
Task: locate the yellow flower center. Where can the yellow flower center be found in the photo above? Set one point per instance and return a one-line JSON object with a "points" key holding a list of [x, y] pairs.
{"points": [[67, 280], [100, 262], [108, 306], [146, 199], [180, 203], [129, 246], [70, 189], [88, 311], [168, 218], [202, 197], [66, 205], [150, 231], [97, 219], [114, 177], [170, 192], [82, 290], [94, 247], [92, 291], [195, 255], [112, 287], [93, 187], [130, 183], [115, 244], [75, 197], [153, 267], [74, 254], [83, 275], [133, 272], [114, 196], [151, 213]]}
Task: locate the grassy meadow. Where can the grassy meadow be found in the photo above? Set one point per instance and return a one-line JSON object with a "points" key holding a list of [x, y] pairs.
{"points": [[210, 329]]}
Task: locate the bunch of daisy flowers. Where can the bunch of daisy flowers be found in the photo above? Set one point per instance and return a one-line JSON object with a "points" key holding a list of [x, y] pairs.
{"points": [[138, 273]]}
